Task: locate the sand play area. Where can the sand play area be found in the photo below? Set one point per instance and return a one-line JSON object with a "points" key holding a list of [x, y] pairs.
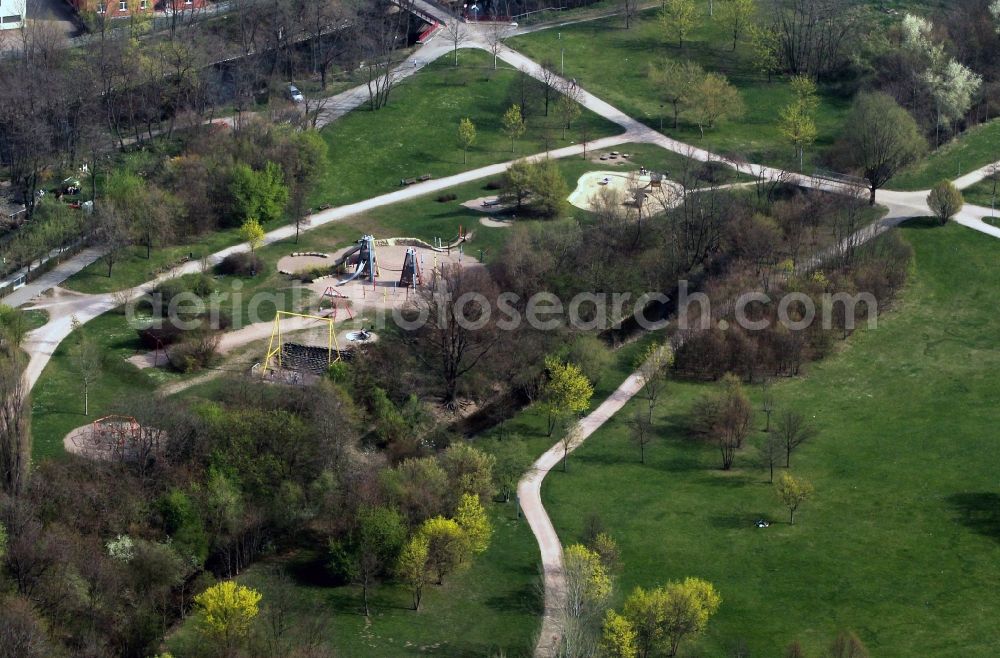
{"points": [[626, 184]]}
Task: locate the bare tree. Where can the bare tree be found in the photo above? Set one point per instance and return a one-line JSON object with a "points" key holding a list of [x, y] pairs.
{"points": [[452, 340], [87, 360], [378, 38], [630, 11], [456, 34], [497, 34], [550, 82], [794, 430], [771, 452], [766, 403], [113, 233], [641, 430]]}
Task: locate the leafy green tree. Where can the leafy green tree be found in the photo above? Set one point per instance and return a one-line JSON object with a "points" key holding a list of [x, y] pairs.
{"points": [[227, 612], [737, 14], [678, 18], [880, 138], [792, 493], [666, 616], [567, 392], [714, 100], [675, 83], [183, 523], [376, 543], [470, 471], [252, 232], [945, 200], [412, 567], [447, 546], [588, 584], [653, 365], [474, 522], [517, 183], [765, 44], [513, 124], [512, 461], [797, 120], [466, 136], [261, 195], [618, 637]]}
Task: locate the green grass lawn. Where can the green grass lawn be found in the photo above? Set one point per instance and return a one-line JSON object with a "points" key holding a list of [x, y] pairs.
{"points": [[417, 133], [900, 543], [612, 62], [980, 194], [491, 609], [972, 149]]}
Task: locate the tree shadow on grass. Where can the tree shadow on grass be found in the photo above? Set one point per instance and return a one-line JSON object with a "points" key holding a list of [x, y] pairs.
{"points": [[527, 599], [737, 520], [980, 512], [921, 223]]}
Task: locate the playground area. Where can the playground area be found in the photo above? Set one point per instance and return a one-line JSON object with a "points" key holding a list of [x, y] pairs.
{"points": [[115, 439], [651, 189], [373, 273]]}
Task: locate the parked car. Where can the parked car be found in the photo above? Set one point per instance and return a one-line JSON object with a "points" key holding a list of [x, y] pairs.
{"points": [[295, 94]]}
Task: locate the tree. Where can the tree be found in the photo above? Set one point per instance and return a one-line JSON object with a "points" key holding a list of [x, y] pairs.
{"points": [[641, 431], [567, 391], [15, 423], [618, 637], [258, 194], [772, 449], [470, 471], [497, 33], [737, 14], [724, 418], [512, 462], [714, 100], [252, 233], [792, 493], [796, 121], [513, 124], [412, 566], [568, 107], [665, 616], [455, 33], [882, 139], [548, 189], [945, 200], [466, 136], [377, 541], [678, 17], [652, 366], [87, 359], [447, 545], [588, 584], [113, 232], [675, 83], [227, 612], [518, 181], [630, 10], [793, 430], [766, 402], [472, 518], [764, 43]]}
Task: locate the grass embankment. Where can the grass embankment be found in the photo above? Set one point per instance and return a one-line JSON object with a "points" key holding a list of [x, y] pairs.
{"points": [[900, 542]]}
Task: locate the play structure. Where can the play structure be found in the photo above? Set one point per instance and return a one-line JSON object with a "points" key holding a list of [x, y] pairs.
{"points": [[362, 258], [279, 352], [410, 275]]}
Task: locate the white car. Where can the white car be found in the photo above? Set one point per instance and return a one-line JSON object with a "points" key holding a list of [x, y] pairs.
{"points": [[295, 94]]}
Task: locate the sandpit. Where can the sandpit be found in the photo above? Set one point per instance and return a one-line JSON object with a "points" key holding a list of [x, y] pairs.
{"points": [[301, 262], [625, 184], [495, 223], [114, 439]]}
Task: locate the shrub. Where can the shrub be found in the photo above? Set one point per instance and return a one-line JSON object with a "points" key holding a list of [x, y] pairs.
{"points": [[445, 198], [494, 184], [243, 263], [194, 353]]}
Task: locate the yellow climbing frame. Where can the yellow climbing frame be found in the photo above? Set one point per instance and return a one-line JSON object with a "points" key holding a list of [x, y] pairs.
{"points": [[274, 345]]}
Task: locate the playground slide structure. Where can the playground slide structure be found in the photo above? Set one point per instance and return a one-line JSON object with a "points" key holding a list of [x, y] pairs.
{"points": [[367, 261]]}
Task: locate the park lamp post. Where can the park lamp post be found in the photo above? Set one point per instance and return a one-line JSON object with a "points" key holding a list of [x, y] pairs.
{"points": [[562, 55]]}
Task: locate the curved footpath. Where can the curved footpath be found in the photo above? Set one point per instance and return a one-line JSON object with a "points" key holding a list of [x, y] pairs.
{"points": [[66, 306]]}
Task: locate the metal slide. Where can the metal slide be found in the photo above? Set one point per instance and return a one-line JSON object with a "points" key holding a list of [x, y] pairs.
{"points": [[357, 272]]}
